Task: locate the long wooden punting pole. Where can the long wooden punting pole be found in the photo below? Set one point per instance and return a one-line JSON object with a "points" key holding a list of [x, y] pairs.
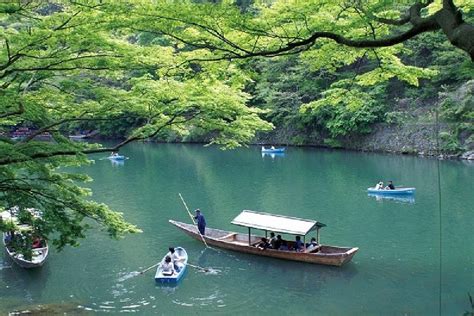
{"points": [[192, 218]]}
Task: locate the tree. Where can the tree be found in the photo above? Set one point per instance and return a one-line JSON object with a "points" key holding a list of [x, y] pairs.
{"points": [[66, 62], [326, 35]]}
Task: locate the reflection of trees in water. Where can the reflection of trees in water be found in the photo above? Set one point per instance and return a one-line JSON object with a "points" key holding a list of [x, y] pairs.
{"points": [[22, 284]]}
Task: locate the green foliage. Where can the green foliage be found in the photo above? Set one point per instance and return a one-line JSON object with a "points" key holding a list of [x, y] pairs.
{"points": [[73, 66], [450, 142]]}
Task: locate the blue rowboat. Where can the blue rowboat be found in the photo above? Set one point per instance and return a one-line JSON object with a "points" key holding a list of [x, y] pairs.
{"points": [[116, 157], [397, 191], [273, 150], [176, 277]]}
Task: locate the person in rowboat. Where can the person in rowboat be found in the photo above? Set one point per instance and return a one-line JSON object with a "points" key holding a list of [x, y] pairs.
{"points": [[390, 186], [176, 259], [167, 267], [379, 186], [201, 221]]}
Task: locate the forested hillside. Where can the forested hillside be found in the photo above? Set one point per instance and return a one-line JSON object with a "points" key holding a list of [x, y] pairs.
{"points": [[224, 72]]}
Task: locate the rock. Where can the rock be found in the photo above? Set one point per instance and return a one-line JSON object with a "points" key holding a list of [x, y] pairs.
{"points": [[469, 155]]}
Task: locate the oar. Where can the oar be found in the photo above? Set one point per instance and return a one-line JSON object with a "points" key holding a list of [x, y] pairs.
{"points": [[198, 267], [192, 218], [207, 270], [149, 268]]}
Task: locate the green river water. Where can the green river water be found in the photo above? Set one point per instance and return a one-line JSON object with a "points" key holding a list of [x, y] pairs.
{"points": [[414, 258]]}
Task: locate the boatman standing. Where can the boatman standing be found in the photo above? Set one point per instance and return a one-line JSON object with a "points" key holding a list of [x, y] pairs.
{"points": [[201, 221]]}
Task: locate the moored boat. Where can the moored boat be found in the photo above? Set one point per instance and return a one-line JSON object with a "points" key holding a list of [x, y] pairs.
{"points": [[38, 256], [33, 255], [273, 150], [395, 191], [246, 243], [174, 278]]}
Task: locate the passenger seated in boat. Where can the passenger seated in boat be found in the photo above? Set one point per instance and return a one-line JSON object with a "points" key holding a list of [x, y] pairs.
{"points": [[284, 245], [36, 243], [273, 240], [176, 259], [273, 147], [312, 245], [263, 244], [167, 267], [390, 186], [9, 237], [278, 242], [299, 245], [379, 186]]}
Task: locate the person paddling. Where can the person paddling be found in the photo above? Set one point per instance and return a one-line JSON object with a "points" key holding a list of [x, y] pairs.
{"points": [[201, 221]]}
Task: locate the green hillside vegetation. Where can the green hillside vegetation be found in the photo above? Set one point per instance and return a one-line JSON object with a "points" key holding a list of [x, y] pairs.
{"points": [[220, 72]]}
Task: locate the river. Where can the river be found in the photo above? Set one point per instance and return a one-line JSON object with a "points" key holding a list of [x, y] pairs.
{"points": [[415, 257]]}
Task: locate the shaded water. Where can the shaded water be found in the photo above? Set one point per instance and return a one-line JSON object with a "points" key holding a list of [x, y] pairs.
{"points": [[413, 259]]}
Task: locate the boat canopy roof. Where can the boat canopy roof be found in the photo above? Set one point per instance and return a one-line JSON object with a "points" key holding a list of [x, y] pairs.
{"points": [[276, 223]]}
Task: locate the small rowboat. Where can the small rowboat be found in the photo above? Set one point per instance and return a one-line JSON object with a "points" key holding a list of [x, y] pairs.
{"points": [[175, 278], [39, 252], [39, 255], [396, 191], [246, 243], [116, 157], [273, 150]]}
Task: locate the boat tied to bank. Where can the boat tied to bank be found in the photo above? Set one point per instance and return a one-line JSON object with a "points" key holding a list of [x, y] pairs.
{"points": [[25, 251], [247, 243]]}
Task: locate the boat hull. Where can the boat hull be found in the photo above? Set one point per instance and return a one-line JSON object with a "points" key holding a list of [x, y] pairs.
{"points": [[173, 279], [116, 157], [327, 255], [273, 151], [39, 257], [400, 191]]}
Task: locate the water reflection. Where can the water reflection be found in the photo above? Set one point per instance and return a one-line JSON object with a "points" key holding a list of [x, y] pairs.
{"points": [[404, 199], [273, 155], [117, 163], [22, 286]]}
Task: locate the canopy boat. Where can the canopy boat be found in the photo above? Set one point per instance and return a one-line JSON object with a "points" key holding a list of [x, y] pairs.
{"points": [[323, 254], [273, 150], [39, 248], [396, 191], [175, 278], [116, 157]]}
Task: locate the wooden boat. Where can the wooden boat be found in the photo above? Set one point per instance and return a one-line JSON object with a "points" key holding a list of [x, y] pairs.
{"points": [[323, 254], [396, 191], [175, 278], [39, 254], [273, 150]]}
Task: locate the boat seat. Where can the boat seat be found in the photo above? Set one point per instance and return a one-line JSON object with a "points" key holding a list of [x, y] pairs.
{"points": [[229, 236]]}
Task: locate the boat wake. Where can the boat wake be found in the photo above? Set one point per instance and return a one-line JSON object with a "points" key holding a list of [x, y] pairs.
{"points": [[128, 275]]}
